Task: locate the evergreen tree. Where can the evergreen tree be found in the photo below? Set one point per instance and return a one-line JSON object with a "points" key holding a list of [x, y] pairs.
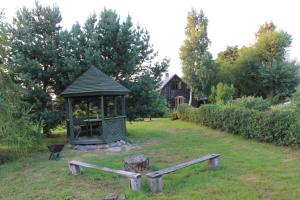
{"points": [[198, 68], [35, 58], [122, 51]]}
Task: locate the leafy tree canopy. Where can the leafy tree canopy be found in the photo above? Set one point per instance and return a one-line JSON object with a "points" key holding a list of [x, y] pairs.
{"points": [[198, 67], [262, 69]]}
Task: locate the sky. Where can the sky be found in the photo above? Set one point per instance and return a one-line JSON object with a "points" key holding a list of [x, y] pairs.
{"points": [[231, 22]]}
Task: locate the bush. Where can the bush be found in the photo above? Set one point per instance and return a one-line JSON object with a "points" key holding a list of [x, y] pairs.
{"points": [[282, 107], [255, 103], [279, 127], [222, 94], [174, 116], [17, 132]]}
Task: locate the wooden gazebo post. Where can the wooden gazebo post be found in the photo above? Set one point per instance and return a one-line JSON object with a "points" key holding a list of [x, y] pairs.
{"points": [[102, 110], [70, 117], [123, 105]]}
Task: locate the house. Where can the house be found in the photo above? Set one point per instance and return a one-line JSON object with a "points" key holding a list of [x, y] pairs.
{"points": [[176, 91]]}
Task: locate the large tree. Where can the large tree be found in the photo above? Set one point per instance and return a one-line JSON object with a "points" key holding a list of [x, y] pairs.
{"points": [[261, 69], [36, 57], [226, 68], [120, 50], [198, 67]]}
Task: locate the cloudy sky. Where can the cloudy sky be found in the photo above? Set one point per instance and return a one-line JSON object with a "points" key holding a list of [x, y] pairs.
{"points": [[231, 22]]}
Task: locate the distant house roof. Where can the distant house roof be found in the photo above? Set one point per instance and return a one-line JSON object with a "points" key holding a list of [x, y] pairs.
{"points": [[166, 80], [94, 82]]}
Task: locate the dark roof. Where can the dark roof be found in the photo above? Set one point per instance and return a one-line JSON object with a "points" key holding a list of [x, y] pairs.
{"points": [[166, 80], [94, 82]]}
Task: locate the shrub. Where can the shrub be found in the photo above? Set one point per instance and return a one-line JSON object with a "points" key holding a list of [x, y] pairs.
{"points": [[255, 103], [279, 127], [222, 94], [282, 107], [17, 132], [174, 116]]}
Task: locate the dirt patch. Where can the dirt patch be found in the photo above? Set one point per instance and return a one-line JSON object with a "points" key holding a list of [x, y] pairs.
{"points": [[176, 130], [251, 178]]}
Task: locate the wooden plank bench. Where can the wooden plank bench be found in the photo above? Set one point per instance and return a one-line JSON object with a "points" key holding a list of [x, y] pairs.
{"points": [[155, 178], [134, 178]]}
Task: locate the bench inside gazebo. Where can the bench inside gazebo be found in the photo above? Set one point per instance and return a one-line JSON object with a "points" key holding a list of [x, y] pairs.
{"points": [[95, 109]]}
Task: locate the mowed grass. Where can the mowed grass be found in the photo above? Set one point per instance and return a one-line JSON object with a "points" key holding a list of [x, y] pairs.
{"points": [[248, 169]]}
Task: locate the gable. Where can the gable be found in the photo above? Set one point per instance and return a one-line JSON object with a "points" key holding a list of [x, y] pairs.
{"points": [[171, 80], [94, 82]]}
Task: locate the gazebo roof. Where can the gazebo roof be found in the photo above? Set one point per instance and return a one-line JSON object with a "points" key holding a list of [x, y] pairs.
{"points": [[94, 82]]}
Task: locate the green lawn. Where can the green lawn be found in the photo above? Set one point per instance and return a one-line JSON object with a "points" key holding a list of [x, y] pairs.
{"points": [[248, 170]]}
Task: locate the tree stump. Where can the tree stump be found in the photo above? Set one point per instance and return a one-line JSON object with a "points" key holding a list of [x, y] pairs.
{"points": [[136, 163]]}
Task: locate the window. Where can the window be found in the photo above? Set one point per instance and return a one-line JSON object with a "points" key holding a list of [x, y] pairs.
{"points": [[178, 85]]}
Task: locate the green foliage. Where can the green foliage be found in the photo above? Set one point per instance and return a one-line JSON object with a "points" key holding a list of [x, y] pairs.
{"points": [[174, 116], [279, 77], [296, 101], [246, 74], [282, 107], [226, 67], [46, 59], [253, 103], [279, 127], [260, 69], [198, 68], [222, 94], [35, 58], [17, 131], [145, 100]]}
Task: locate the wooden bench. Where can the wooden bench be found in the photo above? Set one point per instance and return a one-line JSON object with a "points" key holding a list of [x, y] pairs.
{"points": [[155, 178], [134, 178]]}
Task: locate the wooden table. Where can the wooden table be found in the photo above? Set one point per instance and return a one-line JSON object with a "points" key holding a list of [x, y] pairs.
{"points": [[90, 123]]}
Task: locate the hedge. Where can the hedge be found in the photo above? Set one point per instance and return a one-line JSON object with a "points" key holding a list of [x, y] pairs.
{"points": [[278, 127]]}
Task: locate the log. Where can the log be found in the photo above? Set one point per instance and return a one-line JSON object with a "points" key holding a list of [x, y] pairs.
{"points": [[182, 165], [135, 179], [136, 163], [213, 163], [75, 169], [135, 183], [155, 178], [156, 184]]}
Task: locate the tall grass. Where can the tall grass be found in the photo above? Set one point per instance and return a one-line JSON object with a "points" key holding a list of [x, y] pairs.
{"points": [[18, 135]]}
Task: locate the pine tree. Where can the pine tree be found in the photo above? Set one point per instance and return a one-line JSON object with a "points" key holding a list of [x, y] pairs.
{"points": [[35, 58]]}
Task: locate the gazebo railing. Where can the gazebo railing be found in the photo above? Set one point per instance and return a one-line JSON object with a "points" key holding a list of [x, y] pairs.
{"points": [[114, 128]]}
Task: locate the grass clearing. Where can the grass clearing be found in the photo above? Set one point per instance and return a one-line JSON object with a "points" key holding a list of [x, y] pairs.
{"points": [[248, 170]]}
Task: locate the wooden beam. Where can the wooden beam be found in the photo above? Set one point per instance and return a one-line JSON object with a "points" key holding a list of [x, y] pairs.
{"points": [[115, 105], [180, 166], [155, 178], [123, 105], [156, 184], [70, 116], [102, 108], [135, 179]]}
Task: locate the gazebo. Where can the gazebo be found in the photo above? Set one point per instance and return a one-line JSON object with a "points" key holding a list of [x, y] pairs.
{"points": [[95, 109]]}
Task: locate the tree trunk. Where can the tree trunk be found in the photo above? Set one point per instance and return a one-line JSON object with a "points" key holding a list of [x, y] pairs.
{"points": [[191, 97]]}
